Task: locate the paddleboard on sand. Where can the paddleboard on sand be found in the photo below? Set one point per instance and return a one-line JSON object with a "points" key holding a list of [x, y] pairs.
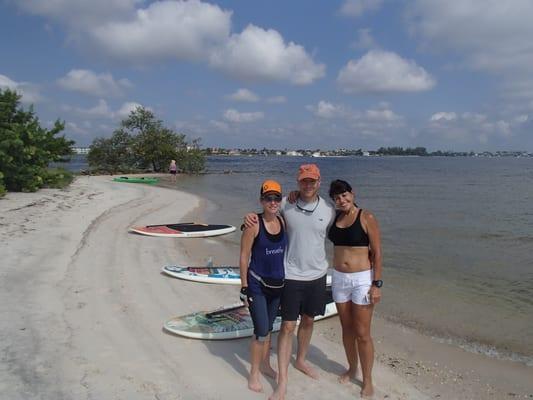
{"points": [[223, 274], [183, 230], [228, 322], [136, 179]]}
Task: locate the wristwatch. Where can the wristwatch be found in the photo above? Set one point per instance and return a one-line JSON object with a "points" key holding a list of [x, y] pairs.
{"points": [[378, 283]]}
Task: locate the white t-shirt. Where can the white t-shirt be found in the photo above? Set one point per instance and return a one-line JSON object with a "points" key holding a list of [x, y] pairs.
{"points": [[305, 258]]}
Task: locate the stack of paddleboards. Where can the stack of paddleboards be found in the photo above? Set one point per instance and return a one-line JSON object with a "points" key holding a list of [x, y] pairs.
{"points": [[228, 322], [183, 230]]}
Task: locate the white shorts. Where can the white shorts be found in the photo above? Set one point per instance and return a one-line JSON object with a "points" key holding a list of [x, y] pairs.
{"points": [[352, 286]]}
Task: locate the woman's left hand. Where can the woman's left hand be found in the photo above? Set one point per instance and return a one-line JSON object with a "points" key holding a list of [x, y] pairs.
{"points": [[375, 294]]}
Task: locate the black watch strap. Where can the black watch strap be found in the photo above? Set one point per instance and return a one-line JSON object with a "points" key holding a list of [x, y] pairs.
{"points": [[377, 283]]}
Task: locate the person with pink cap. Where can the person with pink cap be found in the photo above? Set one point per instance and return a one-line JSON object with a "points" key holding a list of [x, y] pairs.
{"points": [[304, 294]]}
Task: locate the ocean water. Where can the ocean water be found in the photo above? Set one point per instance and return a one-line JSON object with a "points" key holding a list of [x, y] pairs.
{"points": [[457, 237]]}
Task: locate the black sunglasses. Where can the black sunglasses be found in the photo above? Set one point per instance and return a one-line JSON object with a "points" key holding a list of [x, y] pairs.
{"points": [[271, 197]]}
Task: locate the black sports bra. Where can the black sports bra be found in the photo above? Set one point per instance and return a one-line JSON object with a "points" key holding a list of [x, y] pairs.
{"points": [[353, 235]]}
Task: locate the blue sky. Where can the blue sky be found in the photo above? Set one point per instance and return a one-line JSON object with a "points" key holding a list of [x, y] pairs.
{"points": [[449, 75]]}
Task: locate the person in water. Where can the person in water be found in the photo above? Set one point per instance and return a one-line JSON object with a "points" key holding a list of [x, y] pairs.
{"points": [[262, 278], [306, 265], [356, 280]]}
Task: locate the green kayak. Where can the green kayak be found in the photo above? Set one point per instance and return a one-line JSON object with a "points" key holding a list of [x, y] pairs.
{"points": [[142, 179]]}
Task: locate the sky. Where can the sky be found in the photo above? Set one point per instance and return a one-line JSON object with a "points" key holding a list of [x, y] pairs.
{"points": [[445, 75]]}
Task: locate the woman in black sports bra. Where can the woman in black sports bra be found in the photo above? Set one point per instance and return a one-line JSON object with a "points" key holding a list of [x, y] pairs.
{"points": [[356, 280]]}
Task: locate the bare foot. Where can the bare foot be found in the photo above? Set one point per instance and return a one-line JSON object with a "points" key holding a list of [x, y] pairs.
{"points": [[254, 384], [347, 376], [306, 369], [279, 393], [367, 391], [267, 370]]}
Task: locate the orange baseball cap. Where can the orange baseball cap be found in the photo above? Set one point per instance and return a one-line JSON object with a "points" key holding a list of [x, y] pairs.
{"points": [[270, 186], [308, 171]]}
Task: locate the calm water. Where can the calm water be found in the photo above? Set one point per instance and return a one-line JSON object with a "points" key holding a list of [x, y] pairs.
{"points": [[457, 236]]}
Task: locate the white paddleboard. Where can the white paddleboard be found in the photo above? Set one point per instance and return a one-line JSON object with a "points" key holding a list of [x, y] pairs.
{"points": [[183, 230], [229, 322], [222, 274], [228, 275]]}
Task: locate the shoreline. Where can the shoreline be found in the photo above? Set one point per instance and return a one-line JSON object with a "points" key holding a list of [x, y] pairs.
{"points": [[428, 358], [86, 300]]}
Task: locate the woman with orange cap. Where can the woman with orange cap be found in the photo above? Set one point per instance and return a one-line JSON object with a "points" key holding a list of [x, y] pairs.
{"points": [[262, 278]]}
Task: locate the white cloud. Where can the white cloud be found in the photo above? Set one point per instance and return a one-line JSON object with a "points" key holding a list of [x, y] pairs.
{"points": [[89, 82], [492, 35], [219, 125], [244, 95], [184, 30], [75, 128], [126, 108], [179, 30], [232, 115], [356, 8], [277, 100], [99, 110], [383, 71], [521, 119], [325, 109], [446, 116], [7, 83], [385, 115], [259, 54], [29, 92], [489, 36], [102, 110], [472, 128]]}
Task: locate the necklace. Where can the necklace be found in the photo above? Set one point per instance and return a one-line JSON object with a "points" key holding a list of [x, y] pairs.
{"points": [[305, 210]]}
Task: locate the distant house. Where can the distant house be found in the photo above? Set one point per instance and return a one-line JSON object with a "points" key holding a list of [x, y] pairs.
{"points": [[294, 153], [81, 150]]}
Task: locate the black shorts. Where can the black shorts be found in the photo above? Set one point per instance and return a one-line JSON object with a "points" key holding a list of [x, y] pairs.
{"points": [[303, 297], [173, 172]]}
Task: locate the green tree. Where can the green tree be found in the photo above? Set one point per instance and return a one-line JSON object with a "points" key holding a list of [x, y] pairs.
{"points": [[142, 141], [113, 154], [154, 145], [26, 148], [191, 159], [2, 187]]}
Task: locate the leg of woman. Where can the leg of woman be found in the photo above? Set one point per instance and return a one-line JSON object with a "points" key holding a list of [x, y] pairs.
{"points": [[259, 314], [365, 346], [272, 307], [346, 316]]}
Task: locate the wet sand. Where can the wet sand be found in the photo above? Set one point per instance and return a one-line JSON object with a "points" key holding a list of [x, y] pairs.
{"points": [[82, 303]]}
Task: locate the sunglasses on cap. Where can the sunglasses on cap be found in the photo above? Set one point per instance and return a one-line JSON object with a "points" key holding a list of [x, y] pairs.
{"points": [[271, 197]]}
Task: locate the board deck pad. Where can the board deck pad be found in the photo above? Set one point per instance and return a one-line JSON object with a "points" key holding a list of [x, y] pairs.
{"points": [[229, 322], [183, 230], [223, 274]]}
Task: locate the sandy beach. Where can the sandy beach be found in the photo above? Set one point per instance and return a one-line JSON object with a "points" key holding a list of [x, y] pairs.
{"points": [[82, 303]]}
